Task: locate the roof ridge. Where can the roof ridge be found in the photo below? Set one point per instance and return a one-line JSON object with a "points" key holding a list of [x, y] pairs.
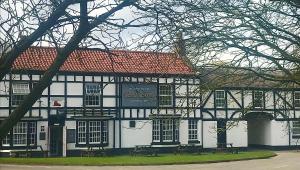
{"points": [[113, 50]]}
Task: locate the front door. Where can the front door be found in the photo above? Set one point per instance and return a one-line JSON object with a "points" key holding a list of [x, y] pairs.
{"points": [[221, 130], [56, 140]]}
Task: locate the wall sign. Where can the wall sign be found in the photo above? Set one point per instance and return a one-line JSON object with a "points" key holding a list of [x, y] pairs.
{"points": [[139, 95], [71, 138]]}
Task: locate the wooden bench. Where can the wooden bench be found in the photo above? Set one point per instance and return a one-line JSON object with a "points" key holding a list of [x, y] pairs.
{"points": [[90, 152], [28, 152], [144, 150], [188, 148], [227, 147]]}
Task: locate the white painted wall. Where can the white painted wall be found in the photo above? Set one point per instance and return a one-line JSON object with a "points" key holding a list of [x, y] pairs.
{"points": [[209, 134], [183, 132], [140, 135], [237, 133], [279, 133]]}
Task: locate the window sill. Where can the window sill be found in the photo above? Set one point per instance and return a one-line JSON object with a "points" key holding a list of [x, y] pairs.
{"points": [[165, 143], [91, 145]]}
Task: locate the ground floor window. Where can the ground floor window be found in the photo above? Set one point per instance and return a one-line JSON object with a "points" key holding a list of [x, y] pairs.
{"points": [[22, 134], [165, 131], [94, 132], [193, 130], [296, 129]]}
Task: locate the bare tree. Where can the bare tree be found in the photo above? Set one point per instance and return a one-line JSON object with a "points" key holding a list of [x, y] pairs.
{"points": [[65, 25], [258, 36]]}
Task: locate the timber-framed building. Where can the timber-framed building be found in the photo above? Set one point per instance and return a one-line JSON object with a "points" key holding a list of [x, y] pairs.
{"points": [[128, 98]]}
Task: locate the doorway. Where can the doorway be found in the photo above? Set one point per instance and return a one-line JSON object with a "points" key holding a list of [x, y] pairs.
{"points": [[221, 131], [259, 129], [56, 140]]}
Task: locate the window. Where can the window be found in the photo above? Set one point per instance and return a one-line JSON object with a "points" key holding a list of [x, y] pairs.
{"points": [[24, 134], [258, 100], [165, 130], [165, 95], [220, 98], [19, 91], [32, 133], [92, 95], [92, 132], [193, 130], [20, 134], [296, 129], [81, 136], [6, 140], [297, 99], [156, 131]]}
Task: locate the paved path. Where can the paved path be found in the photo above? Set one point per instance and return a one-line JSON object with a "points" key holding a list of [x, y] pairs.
{"points": [[285, 160]]}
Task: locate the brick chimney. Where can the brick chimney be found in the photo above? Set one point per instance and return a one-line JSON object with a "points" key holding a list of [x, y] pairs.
{"points": [[180, 45], [180, 49]]}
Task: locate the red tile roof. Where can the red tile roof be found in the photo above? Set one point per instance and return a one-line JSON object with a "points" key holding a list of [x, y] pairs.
{"points": [[96, 61]]}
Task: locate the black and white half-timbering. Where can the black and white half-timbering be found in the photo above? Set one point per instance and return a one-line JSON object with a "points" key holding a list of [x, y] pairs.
{"points": [[140, 98]]}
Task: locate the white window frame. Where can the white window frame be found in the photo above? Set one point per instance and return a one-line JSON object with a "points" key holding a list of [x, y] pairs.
{"points": [[296, 99], [32, 133], [19, 89], [167, 130], [94, 132], [20, 134], [220, 100], [192, 130], [81, 132], [296, 129], [156, 130], [168, 93], [164, 128], [254, 99], [92, 93], [6, 140]]}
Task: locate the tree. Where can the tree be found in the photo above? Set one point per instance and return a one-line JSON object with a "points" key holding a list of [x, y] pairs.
{"points": [[258, 36], [71, 23]]}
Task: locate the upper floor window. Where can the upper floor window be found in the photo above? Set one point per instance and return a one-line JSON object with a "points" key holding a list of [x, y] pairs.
{"points": [[258, 99], [297, 99], [220, 98], [296, 129], [193, 130], [165, 95], [92, 94], [19, 91]]}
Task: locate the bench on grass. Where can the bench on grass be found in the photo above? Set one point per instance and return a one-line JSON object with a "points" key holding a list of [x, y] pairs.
{"points": [[144, 150], [90, 152], [227, 147], [188, 148], [28, 152]]}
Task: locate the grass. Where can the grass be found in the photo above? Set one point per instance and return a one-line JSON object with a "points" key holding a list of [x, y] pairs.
{"points": [[162, 159]]}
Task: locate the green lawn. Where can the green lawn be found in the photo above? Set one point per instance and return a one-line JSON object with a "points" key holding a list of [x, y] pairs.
{"points": [[141, 160]]}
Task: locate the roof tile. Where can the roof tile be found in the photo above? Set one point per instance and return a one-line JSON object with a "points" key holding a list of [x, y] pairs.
{"points": [[96, 61]]}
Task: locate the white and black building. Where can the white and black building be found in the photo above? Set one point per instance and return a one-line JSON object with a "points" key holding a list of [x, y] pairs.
{"points": [[139, 98]]}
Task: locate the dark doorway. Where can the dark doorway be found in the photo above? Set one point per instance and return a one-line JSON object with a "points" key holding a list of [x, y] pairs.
{"points": [[56, 140], [221, 131]]}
